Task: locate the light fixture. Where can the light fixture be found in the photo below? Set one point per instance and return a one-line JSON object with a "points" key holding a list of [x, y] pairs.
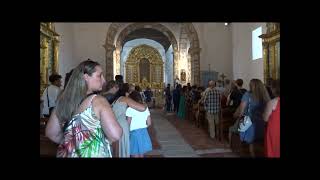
{"points": [[226, 24]]}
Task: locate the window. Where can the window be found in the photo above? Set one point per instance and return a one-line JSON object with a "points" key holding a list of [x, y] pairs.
{"points": [[256, 44]]}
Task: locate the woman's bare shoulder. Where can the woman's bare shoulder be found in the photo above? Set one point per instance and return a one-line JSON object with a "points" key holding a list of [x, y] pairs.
{"points": [[274, 103], [99, 100], [123, 99]]}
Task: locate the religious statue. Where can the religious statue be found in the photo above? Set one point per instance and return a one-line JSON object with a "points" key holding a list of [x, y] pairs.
{"points": [[183, 75], [144, 82]]}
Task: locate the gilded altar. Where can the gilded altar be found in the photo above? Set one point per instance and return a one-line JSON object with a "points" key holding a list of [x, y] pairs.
{"points": [[271, 51], [144, 67], [48, 53]]}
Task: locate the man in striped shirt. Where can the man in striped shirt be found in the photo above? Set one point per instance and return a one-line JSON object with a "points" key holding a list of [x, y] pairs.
{"points": [[212, 105]]}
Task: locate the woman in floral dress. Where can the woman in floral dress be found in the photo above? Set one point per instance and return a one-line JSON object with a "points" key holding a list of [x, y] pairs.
{"points": [[83, 123]]}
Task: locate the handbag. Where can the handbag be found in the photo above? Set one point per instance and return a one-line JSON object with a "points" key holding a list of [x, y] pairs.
{"points": [[245, 123], [246, 127], [248, 135]]}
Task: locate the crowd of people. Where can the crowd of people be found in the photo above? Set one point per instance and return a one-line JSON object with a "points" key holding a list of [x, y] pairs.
{"points": [[94, 118], [261, 103]]}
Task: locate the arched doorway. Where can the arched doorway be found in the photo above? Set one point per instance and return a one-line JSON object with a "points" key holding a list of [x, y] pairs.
{"points": [[117, 32], [189, 50]]}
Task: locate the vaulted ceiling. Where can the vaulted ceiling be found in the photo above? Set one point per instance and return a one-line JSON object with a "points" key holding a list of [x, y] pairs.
{"points": [[149, 33]]}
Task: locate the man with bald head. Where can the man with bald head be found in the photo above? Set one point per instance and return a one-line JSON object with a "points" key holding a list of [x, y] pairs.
{"points": [[212, 105]]}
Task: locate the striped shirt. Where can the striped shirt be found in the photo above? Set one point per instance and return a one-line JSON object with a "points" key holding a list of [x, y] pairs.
{"points": [[212, 101]]}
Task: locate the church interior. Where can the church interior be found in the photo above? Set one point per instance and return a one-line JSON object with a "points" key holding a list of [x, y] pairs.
{"points": [[153, 55]]}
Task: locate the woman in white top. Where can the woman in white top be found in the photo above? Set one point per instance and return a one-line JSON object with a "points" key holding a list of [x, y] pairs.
{"points": [[50, 94], [119, 107], [140, 142]]}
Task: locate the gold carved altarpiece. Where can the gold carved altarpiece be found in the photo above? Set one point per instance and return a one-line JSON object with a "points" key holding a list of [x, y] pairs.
{"points": [[144, 67], [271, 51], [49, 44]]}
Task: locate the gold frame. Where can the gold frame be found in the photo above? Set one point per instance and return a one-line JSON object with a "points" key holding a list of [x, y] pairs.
{"points": [[270, 51], [49, 42], [155, 60]]}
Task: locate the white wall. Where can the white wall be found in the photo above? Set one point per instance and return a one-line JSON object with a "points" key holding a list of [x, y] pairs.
{"points": [[226, 48], [89, 39], [66, 62], [80, 41], [243, 65], [216, 47]]}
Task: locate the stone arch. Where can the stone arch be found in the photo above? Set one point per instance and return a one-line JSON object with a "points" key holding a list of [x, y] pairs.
{"points": [[115, 43], [110, 47], [161, 28], [190, 54], [129, 45], [194, 53], [184, 63], [144, 51], [155, 61]]}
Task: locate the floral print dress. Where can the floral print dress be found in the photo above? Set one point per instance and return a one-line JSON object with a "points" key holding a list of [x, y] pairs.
{"points": [[84, 137]]}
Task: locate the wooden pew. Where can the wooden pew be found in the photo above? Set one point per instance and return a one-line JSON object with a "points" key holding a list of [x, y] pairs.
{"points": [[226, 120], [47, 147], [195, 114], [201, 120]]}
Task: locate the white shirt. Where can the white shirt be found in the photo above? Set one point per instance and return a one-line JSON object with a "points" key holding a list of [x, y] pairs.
{"points": [[54, 91], [139, 119]]}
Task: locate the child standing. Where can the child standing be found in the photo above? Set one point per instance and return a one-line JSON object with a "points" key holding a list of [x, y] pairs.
{"points": [[140, 142]]}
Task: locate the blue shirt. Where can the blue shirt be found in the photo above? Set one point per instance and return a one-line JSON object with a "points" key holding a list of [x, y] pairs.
{"points": [[254, 109]]}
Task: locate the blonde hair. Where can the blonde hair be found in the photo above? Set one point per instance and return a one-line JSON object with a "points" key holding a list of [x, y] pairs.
{"points": [[259, 91], [75, 91]]}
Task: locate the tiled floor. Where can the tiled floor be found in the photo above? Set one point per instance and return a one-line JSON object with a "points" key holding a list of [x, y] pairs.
{"points": [[199, 139], [155, 153], [171, 142]]}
